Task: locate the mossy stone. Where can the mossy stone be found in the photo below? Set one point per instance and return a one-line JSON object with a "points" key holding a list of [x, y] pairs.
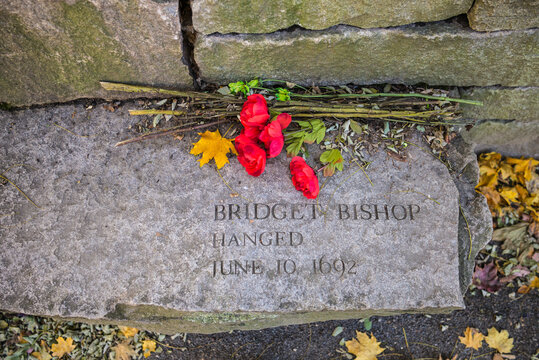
{"points": [[435, 54], [263, 16], [59, 51]]}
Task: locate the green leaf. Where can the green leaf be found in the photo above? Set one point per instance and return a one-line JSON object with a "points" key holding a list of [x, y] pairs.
{"points": [[253, 83], [367, 323], [282, 94], [317, 130], [333, 160], [311, 131], [238, 87], [294, 147]]}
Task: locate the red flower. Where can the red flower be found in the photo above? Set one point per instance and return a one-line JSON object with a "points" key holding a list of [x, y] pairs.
{"points": [[304, 178], [272, 135], [254, 112], [250, 155], [252, 132]]}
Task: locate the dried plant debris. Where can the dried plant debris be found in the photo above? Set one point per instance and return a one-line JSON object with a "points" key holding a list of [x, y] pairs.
{"points": [[511, 187], [33, 337], [353, 121]]}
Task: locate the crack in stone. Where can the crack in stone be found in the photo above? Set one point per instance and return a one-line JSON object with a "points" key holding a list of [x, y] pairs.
{"points": [[461, 19], [189, 36]]}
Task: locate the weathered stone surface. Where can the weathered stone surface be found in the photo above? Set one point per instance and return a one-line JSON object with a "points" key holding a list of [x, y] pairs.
{"points": [[511, 138], [54, 51], [437, 54], [475, 220], [126, 234], [520, 104], [264, 16], [492, 15]]}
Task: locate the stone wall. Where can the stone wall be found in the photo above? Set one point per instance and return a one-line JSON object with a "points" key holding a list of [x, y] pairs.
{"points": [[58, 51]]}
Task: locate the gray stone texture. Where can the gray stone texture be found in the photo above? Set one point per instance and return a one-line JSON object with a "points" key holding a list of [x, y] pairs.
{"points": [[493, 15], [54, 51], [265, 16], [520, 104], [436, 54], [125, 234], [510, 138]]}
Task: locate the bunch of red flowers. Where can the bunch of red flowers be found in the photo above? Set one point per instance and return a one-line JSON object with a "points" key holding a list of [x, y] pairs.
{"points": [[260, 140]]}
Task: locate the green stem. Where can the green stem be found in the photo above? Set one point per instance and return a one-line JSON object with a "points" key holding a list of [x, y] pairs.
{"points": [[430, 97], [153, 90]]}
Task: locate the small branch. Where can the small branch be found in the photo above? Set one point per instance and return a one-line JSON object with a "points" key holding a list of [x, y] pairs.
{"points": [[171, 131], [429, 97], [156, 112], [153, 90]]}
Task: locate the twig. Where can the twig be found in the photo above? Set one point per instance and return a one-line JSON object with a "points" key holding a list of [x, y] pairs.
{"points": [[429, 97], [153, 90], [22, 192], [156, 112], [172, 131], [262, 353], [71, 132], [406, 342], [309, 344]]}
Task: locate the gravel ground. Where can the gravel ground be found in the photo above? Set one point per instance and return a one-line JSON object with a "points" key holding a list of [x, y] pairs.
{"points": [[428, 336]]}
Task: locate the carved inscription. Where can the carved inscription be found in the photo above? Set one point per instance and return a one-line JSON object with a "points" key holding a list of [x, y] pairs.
{"points": [[324, 265]]}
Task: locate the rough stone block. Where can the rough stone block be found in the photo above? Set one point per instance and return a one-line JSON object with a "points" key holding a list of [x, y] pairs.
{"points": [[54, 51], [493, 15], [436, 54], [520, 104], [264, 16], [511, 138], [142, 235]]}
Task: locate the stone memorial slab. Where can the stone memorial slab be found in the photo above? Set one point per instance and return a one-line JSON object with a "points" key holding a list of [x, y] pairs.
{"points": [[142, 235]]}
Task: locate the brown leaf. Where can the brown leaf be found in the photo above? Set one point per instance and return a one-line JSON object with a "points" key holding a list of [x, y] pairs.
{"points": [[486, 278], [124, 351]]}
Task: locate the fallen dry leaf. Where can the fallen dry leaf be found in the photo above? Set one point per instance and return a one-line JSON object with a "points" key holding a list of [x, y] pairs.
{"points": [[213, 146], [364, 347], [486, 278], [129, 331], [148, 347], [499, 340], [63, 346], [472, 338], [124, 351]]}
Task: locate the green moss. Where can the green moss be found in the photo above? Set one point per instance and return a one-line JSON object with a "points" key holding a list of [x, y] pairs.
{"points": [[59, 65]]}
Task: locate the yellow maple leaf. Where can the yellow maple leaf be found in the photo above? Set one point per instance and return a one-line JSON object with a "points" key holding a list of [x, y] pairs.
{"points": [[506, 171], [499, 340], [364, 347], [128, 331], [534, 284], [472, 338], [63, 346], [523, 168], [491, 159], [213, 146], [148, 346], [510, 194], [124, 351]]}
